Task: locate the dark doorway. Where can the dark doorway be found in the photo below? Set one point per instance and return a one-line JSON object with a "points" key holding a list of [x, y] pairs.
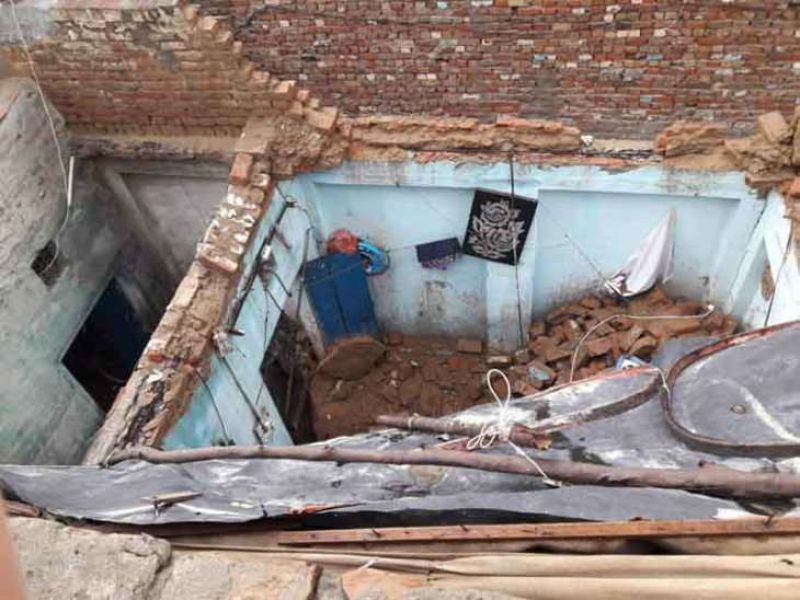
{"points": [[287, 370], [103, 354]]}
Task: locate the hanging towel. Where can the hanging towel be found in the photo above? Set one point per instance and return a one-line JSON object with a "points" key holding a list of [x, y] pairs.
{"points": [[439, 254], [653, 260]]}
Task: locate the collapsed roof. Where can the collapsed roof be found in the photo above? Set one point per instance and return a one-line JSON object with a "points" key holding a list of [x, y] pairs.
{"points": [[619, 418]]}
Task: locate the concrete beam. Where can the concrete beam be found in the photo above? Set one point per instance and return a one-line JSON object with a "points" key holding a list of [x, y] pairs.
{"points": [[142, 225]]}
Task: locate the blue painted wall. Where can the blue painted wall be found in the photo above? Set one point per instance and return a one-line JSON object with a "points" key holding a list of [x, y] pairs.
{"points": [[723, 234], [235, 384], [589, 220]]}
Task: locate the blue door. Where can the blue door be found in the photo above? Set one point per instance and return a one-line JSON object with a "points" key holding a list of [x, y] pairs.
{"points": [[337, 287]]}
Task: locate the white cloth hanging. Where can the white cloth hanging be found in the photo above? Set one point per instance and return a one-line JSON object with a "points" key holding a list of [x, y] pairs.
{"points": [[652, 260]]}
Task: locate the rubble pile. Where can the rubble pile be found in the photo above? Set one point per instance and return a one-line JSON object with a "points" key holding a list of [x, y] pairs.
{"points": [[770, 157], [425, 375], [555, 339], [362, 378]]}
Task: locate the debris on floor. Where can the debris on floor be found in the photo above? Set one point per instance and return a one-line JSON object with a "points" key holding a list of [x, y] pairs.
{"points": [[417, 374], [554, 340], [436, 376]]}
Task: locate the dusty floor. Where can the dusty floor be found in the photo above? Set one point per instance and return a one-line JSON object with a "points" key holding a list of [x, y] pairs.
{"points": [[431, 377], [424, 375]]}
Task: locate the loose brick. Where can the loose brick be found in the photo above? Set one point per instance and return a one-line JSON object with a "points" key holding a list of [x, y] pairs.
{"points": [[470, 346], [537, 328], [773, 127], [240, 170], [500, 361], [323, 119]]}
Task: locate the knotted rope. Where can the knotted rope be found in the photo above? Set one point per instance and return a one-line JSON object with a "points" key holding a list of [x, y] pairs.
{"points": [[500, 429]]}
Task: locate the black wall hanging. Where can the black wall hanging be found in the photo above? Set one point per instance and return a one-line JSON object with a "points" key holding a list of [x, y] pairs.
{"points": [[497, 225]]}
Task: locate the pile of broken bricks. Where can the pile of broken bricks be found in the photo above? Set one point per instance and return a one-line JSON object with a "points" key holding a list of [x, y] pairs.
{"points": [[361, 377], [554, 340]]}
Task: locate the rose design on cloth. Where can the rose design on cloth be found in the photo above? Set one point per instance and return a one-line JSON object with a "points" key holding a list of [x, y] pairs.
{"points": [[496, 231]]}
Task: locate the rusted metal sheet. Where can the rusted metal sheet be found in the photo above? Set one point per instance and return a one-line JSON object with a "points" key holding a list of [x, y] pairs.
{"points": [[773, 371]]}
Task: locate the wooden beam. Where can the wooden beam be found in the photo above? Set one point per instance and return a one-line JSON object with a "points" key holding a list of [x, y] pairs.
{"points": [[716, 481], [759, 526]]}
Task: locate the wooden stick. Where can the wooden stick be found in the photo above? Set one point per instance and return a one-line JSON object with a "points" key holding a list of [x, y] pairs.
{"points": [[519, 434], [548, 531], [715, 482]]}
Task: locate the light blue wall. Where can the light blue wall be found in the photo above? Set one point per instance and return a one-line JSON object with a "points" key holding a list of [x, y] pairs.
{"points": [[589, 220], [235, 383], [583, 212]]}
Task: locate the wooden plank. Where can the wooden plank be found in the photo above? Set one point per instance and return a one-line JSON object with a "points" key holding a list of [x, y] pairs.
{"points": [[548, 531]]}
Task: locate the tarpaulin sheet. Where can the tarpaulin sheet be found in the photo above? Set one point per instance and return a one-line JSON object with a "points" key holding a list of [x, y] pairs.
{"points": [[748, 393], [325, 493]]}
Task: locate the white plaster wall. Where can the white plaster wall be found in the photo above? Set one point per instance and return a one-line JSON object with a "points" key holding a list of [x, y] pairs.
{"points": [[45, 416], [588, 220]]}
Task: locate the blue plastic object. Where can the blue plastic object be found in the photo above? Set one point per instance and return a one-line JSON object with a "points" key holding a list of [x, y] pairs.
{"points": [[337, 287], [377, 261]]}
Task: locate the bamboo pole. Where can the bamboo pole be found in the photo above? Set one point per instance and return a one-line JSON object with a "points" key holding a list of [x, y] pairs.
{"points": [[715, 482], [519, 434]]}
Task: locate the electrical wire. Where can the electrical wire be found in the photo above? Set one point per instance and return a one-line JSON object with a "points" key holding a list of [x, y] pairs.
{"points": [[516, 257], [67, 179], [295, 348], [228, 438], [266, 426], [574, 244]]}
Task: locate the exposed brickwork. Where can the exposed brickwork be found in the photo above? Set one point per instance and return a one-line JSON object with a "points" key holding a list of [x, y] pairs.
{"points": [[156, 67], [178, 353], [623, 69], [614, 68]]}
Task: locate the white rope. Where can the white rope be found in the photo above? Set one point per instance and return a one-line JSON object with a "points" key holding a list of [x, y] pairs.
{"points": [[500, 429], [67, 179]]}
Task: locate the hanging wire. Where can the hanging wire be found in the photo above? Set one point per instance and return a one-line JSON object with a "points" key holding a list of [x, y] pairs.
{"points": [[575, 244], [516, 257], [67, 179], [295, 346], [228, 438]]}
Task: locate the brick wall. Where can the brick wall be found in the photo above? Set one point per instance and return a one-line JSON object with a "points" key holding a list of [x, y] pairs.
{"points": [[624, 68], [614, 70], [146, 67]]}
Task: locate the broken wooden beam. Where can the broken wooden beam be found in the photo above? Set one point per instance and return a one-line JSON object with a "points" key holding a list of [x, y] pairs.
{"points": [[715, 482], [519, 434], [757, 526]]}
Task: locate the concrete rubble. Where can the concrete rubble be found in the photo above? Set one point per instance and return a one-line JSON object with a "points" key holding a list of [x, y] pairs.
{"points": [[61, 562]]}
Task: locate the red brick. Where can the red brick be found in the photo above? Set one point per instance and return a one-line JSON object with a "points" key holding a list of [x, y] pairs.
{"points": [[470, 346], [240, 170]]}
